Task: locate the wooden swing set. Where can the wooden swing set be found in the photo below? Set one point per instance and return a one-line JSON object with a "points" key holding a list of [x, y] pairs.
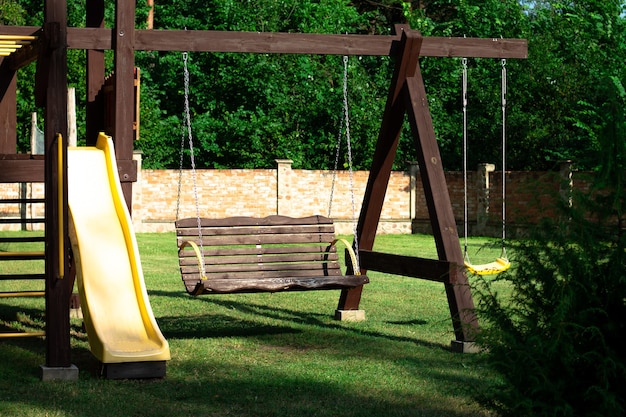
{"points": [[407, 97]]}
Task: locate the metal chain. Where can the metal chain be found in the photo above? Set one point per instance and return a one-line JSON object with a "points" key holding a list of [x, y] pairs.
{"points": [[350, 170], [335, 167], [465, 210], [504, 82], [187, 121]]}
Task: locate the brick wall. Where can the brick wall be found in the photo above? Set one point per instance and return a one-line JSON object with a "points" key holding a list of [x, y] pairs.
{"points": [[292, 192]]}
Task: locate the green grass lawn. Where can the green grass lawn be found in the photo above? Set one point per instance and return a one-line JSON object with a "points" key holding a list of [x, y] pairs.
{"points": [[263, 354]]}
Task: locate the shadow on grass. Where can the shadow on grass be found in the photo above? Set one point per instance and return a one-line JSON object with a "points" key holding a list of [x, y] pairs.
{"points": [[221, 325]]}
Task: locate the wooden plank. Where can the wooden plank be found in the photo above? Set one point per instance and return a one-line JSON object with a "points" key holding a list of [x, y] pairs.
{"points": [[255, 260], [253, 221], [22, 256], [256, 230], [408, 266], [254, 250], [263, 239], [26, 170], [21, 277], [261, 271]]}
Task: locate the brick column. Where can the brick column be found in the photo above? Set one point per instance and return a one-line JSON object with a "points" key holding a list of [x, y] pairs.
{"points": [[137, 213], [482, 193], [283, 196], [413, 172], [566, 184]]}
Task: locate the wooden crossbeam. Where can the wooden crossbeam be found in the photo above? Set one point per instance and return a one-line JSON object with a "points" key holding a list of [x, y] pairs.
{"points": [[292, 43]]}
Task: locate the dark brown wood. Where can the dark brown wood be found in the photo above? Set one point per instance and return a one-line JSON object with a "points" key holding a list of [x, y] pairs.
{"points": [[25, 55], [384, 155], [275, 253], [441, 216], [296, 43], [8, 108], [53, 73], [94, 111], [408, 266], [24, 170], [124, 89], [408, 95]]}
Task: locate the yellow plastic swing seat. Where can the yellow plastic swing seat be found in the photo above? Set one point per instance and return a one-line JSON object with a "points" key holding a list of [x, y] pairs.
{"points": [[492, 268]]}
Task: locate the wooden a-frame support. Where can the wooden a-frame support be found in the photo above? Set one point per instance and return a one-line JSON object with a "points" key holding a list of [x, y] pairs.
{"points": [[407, 96]]}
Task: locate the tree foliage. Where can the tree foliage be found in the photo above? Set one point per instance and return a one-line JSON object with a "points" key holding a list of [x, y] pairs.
{"points": [[249, 109]]}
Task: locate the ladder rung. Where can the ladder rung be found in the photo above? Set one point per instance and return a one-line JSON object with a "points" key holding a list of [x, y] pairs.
{"points": [[22, 200], [12, 294], [22, 221], [16, 277], [21, 256], [7, 335], [22, 239]]}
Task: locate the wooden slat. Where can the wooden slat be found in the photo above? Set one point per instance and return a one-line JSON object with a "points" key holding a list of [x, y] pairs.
{"points": [[269, 239], [253, 221], [21, 256], [262, 250], [280, 259], [257, 230], [13, 335], [409, 266], [22, 239], [21, 170], [13, 294], [21, 221], [22, 200], [15, 277]]}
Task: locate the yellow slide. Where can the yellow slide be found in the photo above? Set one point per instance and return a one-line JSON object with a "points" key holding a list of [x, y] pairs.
{"points": [[117, 313]]}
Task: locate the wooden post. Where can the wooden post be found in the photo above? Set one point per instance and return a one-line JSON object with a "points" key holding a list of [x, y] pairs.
{"points": [[95, 76], [125, 95], [52, 85], [384, 154], [8, 117]]}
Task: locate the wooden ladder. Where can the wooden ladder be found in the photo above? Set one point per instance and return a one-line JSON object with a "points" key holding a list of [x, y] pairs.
{"points": [[21, 255]]}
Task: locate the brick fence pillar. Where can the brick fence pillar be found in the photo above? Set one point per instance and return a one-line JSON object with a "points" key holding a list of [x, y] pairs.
{"points": [[413, 172], [138, 209], [283, 177], [567, 184], [482, 193]]}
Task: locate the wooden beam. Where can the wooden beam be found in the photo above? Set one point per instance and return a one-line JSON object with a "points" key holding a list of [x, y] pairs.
{"points": [[25, 170], [124, 90], [296, 43], [408, 266]]}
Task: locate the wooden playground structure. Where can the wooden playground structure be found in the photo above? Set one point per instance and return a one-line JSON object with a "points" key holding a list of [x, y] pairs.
{"points": [[48, 45]]}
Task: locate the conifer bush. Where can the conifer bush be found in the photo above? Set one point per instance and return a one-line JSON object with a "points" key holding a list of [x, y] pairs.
{"points": [[556, 340]]}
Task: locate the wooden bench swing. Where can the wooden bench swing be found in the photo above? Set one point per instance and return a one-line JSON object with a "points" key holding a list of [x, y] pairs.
{"points": [[270, 254]]}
